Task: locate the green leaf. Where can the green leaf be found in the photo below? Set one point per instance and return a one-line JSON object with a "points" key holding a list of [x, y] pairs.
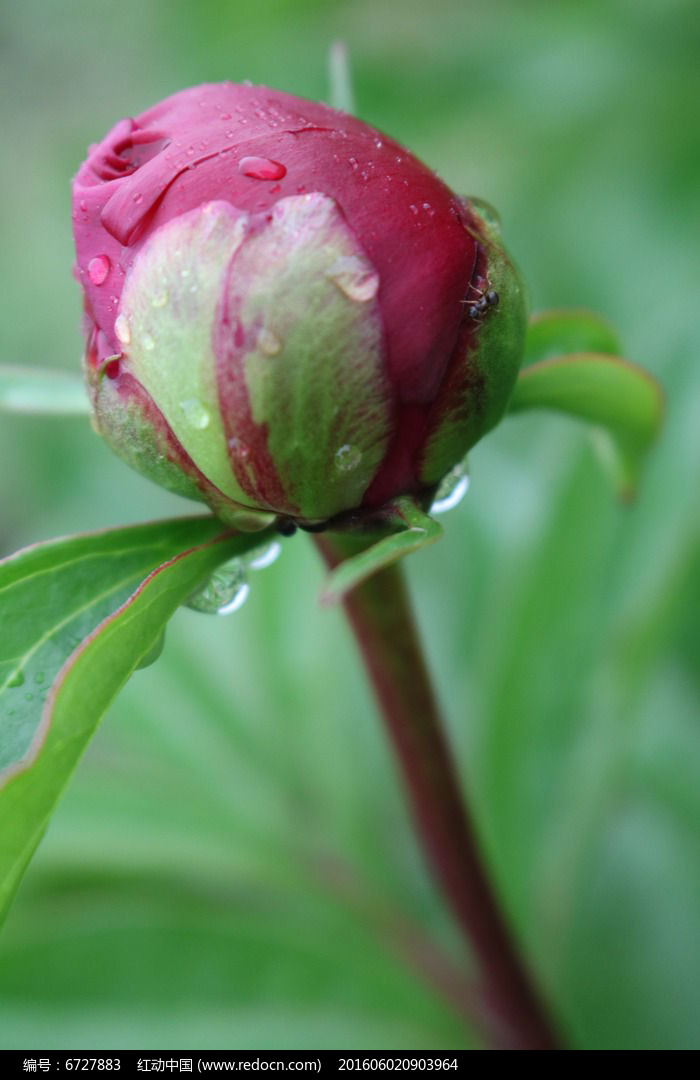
{"points": [[79, 615], [622, 400], [42, 391], [409, 529], [568, 330]]}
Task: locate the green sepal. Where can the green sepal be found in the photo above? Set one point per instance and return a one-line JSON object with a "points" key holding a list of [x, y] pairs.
{"points": [[397, 530], [622, 400]]}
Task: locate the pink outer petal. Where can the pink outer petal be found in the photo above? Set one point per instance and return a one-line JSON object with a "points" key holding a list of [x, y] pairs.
{"points": [[405, 218]]}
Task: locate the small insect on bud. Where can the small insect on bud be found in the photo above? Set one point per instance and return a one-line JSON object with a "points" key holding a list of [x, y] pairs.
{"points": [[274, 299]]}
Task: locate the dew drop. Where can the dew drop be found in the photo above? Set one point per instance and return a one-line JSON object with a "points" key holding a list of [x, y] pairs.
{"points": [[148, 342], [225, 591], [138, 198], [39, 677], [29, 697], [413, 208], [98, 269], [238, 449], [355, 277], [17, 678], [160, 298], [263, 557], [268, 342], [195, 413], [487, 211], [259, 168], [122, 329], [347, 458], [451, 489]]}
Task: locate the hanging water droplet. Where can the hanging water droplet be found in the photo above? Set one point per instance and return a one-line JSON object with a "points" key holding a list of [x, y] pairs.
{"points": [[263, 557], [122, 329], [98, 269], [160, 298], [347, 457], [195, 413], [17, 678], [268, 342], [259, 168], [153, 653], [147, 342], [355, 277], [451, 489], [226, 590]]}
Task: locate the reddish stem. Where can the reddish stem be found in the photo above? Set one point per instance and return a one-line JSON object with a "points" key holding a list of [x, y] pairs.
{"points": [[510, 1015]]}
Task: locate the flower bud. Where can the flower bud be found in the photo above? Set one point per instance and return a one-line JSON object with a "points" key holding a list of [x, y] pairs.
{"points": [[286, 312]]}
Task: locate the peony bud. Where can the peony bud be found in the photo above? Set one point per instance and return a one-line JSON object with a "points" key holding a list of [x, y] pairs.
{"points": [[287, 313]]}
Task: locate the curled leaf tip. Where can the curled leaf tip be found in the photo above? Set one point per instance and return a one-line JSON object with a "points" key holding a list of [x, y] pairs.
{"points": [[622, 401]]}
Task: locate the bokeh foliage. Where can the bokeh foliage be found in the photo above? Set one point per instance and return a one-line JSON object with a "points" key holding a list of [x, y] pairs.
{"points": [[232, 864]]}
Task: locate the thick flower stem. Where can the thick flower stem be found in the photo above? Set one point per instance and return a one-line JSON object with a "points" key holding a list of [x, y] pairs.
{"points": [[509, 1013]]}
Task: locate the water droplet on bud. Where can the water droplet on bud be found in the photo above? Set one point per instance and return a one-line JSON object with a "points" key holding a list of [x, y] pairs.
{"points": [[487, 211], [259, 168], [451, 489], [226, 590], [17, 678], [347, 458], [263, 557], [355, 277], [98, 269], [238, 449], [122, 329], [148, 342], [268, 342], [195, 413], [160, 298]]}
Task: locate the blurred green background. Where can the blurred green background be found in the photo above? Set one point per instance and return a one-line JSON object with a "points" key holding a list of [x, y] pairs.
{"points": [[232, 864]]}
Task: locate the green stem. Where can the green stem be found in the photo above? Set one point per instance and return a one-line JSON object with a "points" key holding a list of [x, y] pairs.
{"points": [[509, 1014]]}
